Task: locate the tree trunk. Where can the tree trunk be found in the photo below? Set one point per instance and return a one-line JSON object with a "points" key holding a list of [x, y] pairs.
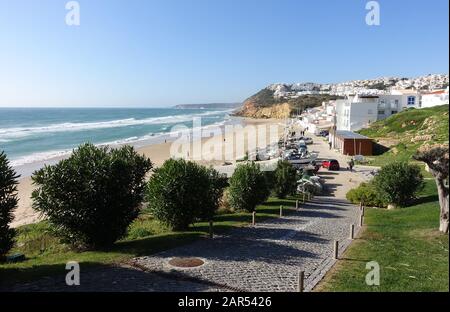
{"points": [[443, 202]]}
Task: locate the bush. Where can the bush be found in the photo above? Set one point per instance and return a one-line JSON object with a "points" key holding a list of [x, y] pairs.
{"points": [[366, 194], [92, 197], [398, 182], [8, 202], [181, 192], [285, 179], [248, 187]]}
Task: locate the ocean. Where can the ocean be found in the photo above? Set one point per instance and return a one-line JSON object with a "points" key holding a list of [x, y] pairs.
{"points": [[33, 135]]}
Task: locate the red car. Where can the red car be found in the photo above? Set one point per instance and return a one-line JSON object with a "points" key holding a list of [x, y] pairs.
{"points": [[331, 164]]}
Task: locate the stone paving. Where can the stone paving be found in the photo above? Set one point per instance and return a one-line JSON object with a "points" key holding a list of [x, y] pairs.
{"points": [[267, 257]]}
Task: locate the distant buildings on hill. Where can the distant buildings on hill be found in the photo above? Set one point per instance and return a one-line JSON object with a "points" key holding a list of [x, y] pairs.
{"points": [[359, 110]]}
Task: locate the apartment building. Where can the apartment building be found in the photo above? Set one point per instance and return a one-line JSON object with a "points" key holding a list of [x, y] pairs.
{"points": [[359, 111]]}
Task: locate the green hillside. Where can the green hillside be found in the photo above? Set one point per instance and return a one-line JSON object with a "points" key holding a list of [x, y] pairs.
{"points": [[399, 136]]}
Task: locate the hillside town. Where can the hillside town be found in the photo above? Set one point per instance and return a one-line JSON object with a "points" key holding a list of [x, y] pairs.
{"points": [[384, 85], [360, 109]]}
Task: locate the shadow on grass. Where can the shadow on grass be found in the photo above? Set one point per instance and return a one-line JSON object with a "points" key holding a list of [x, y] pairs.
{"points": [[426, 199], [11, 276], [154, 244]]}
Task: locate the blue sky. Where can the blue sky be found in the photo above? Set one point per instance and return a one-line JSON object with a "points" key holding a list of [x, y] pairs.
{"points": [[166, 52]]}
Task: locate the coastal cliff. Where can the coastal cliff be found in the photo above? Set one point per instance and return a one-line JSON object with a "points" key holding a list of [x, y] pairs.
{"points": [[253, 110], [265, 104]]}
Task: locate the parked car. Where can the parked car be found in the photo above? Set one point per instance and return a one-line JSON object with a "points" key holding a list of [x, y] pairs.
{"points": [[324, 133], [308, 141], [331, 164]]}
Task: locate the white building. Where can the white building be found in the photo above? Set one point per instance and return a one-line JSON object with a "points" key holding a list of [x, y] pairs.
{"points": [[359, 111], [356, 112], [407, 97], [435, 98]]}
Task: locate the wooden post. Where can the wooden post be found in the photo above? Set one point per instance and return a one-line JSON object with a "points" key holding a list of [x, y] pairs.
{"points": [[296, 204], [301, 281], [211, 232], [361, 220], [336, 250], [352, 231], [253, 218], [363, 210], [281, 211]]}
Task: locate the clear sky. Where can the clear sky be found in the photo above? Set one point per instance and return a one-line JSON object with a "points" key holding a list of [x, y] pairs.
{"points": [[166, 52]]}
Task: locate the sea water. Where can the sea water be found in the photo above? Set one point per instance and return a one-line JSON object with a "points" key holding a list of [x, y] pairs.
{"points": [[33, 135]]}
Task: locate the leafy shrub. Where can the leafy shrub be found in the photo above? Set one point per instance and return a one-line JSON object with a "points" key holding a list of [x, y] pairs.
{"points": [[92, 197], [270, 179], [180, 192], [248, 187], [398, 182], [285, 179], [366, 194], [8, 202]]}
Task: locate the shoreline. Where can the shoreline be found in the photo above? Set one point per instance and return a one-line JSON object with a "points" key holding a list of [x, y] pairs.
{"points": [[160, 152]]}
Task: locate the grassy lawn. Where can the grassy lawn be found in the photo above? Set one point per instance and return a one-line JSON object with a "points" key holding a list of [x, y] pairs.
{"points": [[401, 131], [47, 256], [412, 254]]}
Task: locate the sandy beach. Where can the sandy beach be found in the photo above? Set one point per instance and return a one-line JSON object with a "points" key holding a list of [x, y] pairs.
{"points": [[216, 148]]}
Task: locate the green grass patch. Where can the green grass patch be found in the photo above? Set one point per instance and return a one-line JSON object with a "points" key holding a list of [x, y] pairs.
{"points": [[411, 119], [399, 136], [412, 254], [47, 256]]}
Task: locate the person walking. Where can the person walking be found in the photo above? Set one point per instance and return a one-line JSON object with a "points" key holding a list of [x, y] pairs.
{"points": [[351, 164], [329, 144]]}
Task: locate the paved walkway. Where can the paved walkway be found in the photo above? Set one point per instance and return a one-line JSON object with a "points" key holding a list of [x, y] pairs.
{"points": [[266, 257]]}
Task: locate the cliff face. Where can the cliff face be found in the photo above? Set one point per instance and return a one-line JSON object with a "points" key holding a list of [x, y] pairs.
{"points": [[253, 110]]}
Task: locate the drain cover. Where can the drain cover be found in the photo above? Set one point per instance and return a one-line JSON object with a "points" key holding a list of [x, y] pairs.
{"points": [[186, 262]]}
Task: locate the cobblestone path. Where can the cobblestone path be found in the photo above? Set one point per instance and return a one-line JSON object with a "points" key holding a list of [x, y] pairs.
{"points": [[266, 257]]}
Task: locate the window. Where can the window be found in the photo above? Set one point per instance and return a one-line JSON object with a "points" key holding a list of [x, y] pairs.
{"points": [[381, 112], [411, 100], [394, 112]]}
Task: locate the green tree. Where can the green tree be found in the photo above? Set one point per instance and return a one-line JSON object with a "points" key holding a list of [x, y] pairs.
{"points": [[285, 179], [248, 187], [8, 202], [398, 182], [181, 192], [92, 197]]}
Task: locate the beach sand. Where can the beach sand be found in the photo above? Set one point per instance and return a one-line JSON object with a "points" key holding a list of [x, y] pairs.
{"points": [[259, 131]]}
